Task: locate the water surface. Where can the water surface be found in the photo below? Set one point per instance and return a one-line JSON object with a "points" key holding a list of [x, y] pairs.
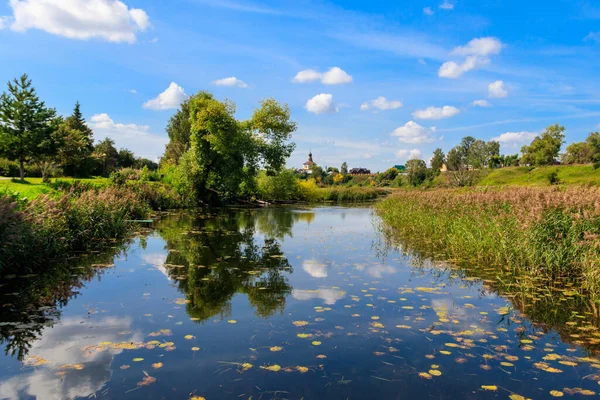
{"points": [[281, 304]]}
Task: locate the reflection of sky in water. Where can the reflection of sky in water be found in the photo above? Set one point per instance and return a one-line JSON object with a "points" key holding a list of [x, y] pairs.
{"points": [[379, 321]]}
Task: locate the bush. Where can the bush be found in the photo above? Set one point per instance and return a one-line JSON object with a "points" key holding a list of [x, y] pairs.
{"points": [[282, 186], [9, 168], [553, 178]]}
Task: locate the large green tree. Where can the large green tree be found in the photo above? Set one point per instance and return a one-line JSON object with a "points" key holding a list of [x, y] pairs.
{"points": [[226, 154], [107, 155], [77, 143], [544, 149], [27, 126], [593, 141], [438, 160], [416, 171]]}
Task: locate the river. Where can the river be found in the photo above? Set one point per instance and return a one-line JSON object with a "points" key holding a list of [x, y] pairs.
{"points": [[280, 303]]}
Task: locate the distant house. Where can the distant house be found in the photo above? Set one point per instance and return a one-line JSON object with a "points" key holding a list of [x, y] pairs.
{"points": [[360, 171], [307, 166]]}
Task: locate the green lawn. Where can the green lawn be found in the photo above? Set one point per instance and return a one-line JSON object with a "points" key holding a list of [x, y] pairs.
{"points": [[33, 187], [538, 176]]}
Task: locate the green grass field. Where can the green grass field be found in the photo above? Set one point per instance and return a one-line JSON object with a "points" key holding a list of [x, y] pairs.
{"points": [[33, 187], [538, 176]]}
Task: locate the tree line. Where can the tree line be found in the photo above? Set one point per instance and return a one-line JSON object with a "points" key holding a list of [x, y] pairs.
{"points": [[33, 135]]}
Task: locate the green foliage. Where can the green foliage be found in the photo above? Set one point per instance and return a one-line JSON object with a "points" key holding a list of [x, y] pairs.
{"points": [[593, 141], [76, 144], [125, 158], [226, 154], [544, 149], [107, 155], [27, 126], [578, 153], [438, 159], [538, 176], [279, 186], [416, 172], [344, 168], [8, 168], [553, 178]]}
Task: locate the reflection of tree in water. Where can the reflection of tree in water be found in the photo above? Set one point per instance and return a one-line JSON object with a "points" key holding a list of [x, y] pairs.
{"points": [[29, 303], [212, 259]]}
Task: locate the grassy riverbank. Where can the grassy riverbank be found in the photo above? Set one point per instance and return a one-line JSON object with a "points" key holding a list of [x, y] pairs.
{"points": [[539, 232]]}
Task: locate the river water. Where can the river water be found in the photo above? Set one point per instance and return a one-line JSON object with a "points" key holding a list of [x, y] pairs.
{"points": [[281, 304]]}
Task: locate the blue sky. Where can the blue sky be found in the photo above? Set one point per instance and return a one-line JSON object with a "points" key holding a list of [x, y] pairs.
{"points": [[371, 83]]}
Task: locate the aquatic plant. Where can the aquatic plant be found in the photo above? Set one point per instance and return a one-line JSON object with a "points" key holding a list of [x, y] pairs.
{"points": [[550, 232]]}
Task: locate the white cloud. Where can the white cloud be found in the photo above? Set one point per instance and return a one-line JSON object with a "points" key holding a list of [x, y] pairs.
{"points": [[436, 112], [110, 20], [484, 46], [315, 269], [335, 76], [476, 53], [136, 138], [447, 5], [321, 104], [329, 296], [428, 11], [481, 103], [43, 382], [497, 90], [412, 132], [133, 91], [593, 36], [4, 22], [231, 81], [405, 154], [381, 103], [172, 97], [453, 70], [513, 138]]}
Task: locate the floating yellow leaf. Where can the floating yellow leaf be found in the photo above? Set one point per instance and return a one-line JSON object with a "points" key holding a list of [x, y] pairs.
{"points": [[232, 321], [148, 380], [375, 317], [403, 326], [444, 352], [189, 337], [316, 343], [276, 348], [195, 348], [516, 397], [321, 356], [300, 323], [377, 325], [124, 366], [302, 369], [424, 375], [274, 368], [491, 388], [197, 398], [246, 366], [304, 335], [157, 365], [507, 364], [556, 393], [138, 359], [435, 372]]}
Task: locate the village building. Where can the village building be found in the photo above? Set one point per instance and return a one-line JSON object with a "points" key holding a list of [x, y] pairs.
{"points": [[307, 166]]}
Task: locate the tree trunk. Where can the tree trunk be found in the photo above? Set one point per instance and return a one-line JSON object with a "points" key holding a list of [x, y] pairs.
{"points": [[21, 170]]}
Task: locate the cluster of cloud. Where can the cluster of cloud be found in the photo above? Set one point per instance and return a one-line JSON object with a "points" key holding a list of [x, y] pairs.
{"points": [[497, 90], [405, 154], [477, 54], [481, 103], [137, 138], [515, 138], [414, 133], [171, 98], [231, 81], [436, 112], [381, 103], [109, 20], [335, 76], [322, 104], [592, 36], [446, 5]]}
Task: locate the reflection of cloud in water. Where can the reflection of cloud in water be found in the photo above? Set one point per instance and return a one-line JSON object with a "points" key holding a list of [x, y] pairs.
{"points": [[315, 269], [330, 296], [158, 260], [64, 344], [376, 271]]}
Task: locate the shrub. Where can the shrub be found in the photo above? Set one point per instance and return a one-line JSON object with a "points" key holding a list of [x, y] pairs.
{"points": [[282, 186], [8, 168], [553, 178]]}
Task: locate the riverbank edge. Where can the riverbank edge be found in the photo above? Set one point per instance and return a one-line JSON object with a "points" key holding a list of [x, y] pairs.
{"points": [[549, 233]]}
